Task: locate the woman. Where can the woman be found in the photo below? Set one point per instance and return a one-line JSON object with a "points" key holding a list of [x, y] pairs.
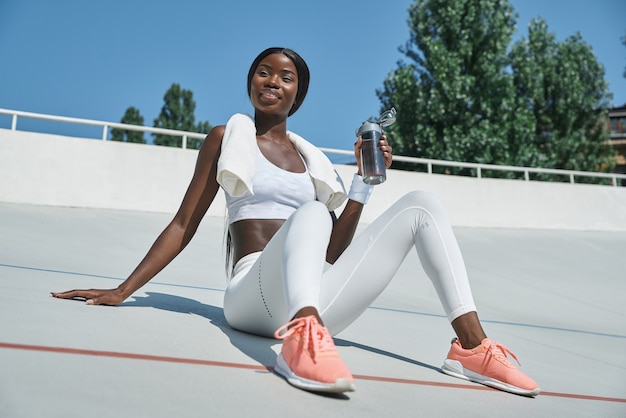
{"points": [[296, 272]]}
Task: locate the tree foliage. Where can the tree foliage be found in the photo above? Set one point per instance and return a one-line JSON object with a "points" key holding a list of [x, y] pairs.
{"points": [[561, 99], [462, 95], [132, 116], [450, 96], [178, 113]]}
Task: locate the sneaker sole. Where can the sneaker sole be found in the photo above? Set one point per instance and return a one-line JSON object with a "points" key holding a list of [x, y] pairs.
{"points": [[339, 386], [455, 368]]}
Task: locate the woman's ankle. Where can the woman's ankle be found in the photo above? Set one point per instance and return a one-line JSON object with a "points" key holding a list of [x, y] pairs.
{"points": [[469, 330], [308, 311]]}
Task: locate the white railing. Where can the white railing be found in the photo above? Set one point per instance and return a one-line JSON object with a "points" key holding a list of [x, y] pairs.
{"points": [[571, 174], [430, 163], [105, 125]]}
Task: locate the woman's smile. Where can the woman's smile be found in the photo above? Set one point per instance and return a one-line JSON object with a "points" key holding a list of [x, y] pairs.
{"points": [[269, 96]]}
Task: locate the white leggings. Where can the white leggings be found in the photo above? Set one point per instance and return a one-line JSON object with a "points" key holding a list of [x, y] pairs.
{"points": [[269, 287]]}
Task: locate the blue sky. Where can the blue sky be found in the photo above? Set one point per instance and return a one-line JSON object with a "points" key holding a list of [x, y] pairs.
{"points": [[93, 59]]}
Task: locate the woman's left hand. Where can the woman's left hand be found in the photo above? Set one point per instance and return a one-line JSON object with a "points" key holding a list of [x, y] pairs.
{"points": [[386, 149], [382, 144]]}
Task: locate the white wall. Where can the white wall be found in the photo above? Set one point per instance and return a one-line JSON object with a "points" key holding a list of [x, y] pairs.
{"points": [[46, 169]]}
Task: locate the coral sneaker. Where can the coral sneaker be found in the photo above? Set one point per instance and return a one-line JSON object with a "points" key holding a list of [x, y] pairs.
{"points": [[488, 364], [309, 359]]}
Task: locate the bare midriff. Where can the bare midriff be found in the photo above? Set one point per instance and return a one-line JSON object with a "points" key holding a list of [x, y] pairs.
{"points": [[252, 235]]}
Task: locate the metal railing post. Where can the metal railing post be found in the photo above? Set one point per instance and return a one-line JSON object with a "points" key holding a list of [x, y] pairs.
{"points": [[14, 122]]}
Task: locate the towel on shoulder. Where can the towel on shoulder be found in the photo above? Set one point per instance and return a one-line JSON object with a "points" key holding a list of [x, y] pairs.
{"points": [[237, 163]]}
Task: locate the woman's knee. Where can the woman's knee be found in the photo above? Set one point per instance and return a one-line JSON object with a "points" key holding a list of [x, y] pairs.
{"points": [[423, 199], [314, 213]]}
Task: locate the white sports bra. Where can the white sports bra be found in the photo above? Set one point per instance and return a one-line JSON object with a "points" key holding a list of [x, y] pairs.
{"points": [[277, 193]]}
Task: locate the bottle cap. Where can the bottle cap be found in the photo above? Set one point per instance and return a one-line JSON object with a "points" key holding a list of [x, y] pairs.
{"points": [[368, 126]]}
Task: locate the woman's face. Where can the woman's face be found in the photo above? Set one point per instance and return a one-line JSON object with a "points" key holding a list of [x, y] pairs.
{"points": [[274, 85]]}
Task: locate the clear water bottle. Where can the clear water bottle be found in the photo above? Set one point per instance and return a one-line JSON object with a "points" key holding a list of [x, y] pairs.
{"points": [[373, 168]]}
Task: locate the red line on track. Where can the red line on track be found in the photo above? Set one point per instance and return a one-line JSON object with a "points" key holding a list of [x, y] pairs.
{"points": [[133, 356], [180, 360]]}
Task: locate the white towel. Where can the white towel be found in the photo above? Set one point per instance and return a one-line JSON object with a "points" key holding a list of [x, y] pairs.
{"points": [[237, 163]]}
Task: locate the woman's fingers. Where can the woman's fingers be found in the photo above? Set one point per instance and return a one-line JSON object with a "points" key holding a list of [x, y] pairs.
{"points": [[386, 149], [71, 294], [91, 296]]}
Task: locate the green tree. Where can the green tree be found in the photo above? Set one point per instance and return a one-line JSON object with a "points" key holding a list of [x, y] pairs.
{"points": [[462, 96], [132, 116], [561, 99], [203, 127], [178, 113], [453, 92]]}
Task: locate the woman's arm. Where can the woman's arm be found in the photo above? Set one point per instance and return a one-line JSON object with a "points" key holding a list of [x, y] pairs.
{"points": [[175, 237], [345, 226], [343, 230]]}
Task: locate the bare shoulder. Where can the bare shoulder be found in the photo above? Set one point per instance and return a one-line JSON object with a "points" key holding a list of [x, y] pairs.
{"points": [[216, 134], [212, 143]]}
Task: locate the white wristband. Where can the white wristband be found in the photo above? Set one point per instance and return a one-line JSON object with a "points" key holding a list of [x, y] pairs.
{"points": [[359, 190]]}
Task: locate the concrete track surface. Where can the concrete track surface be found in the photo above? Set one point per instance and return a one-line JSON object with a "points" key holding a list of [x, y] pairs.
{"points": [[554, 297]]}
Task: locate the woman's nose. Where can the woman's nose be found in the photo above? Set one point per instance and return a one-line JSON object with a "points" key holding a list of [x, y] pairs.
{"points": [[273, 80]]}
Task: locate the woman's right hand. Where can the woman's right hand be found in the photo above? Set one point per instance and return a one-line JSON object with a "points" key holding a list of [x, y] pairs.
{"points": [[92, 296]]}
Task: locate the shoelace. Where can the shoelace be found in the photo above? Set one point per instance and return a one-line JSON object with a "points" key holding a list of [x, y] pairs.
{"points": [[315, 337], [500, 352]]}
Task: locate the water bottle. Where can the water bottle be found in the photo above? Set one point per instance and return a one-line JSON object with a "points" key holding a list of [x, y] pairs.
{"points": [[373, 168]]}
